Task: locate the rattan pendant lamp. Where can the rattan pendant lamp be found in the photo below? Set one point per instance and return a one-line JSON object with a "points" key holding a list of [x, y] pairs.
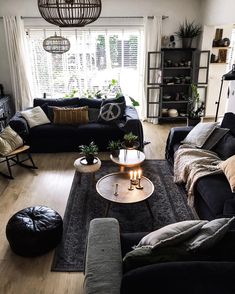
{"points": [[56, 44], [70, 13]]}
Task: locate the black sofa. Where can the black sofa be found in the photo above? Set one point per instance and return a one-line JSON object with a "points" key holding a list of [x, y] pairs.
{"points": [[213, 196], [211, 274], [62, 138]]}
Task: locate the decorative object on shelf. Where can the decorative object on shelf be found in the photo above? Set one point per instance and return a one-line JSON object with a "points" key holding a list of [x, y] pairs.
{"points": [[56, 44], [187, 32], [218, 38], [130, 140], [195, 108], [230, 76], [89, 151], [222, 56], [114, 147], [173, 112], [70, 13]]}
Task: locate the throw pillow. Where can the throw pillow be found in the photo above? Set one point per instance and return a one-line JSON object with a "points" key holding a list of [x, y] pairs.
{"points": [[9, 141], [171, 234], [65, 115], [209, 234], [93, 114], [214, 138], [225, 148], [35, 117], [228, 167], [199, 134], [111, 112]]}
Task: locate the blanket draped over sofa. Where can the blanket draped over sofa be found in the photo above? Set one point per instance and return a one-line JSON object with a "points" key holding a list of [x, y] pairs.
{"points": [[191, 164]]}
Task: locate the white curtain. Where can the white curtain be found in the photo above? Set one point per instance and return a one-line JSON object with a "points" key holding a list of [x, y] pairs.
{"points": [[18, 61], [153, 35]]}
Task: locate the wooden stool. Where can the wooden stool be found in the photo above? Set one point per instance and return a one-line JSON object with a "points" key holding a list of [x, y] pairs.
{"points": [[86, 168], [13, 159]]}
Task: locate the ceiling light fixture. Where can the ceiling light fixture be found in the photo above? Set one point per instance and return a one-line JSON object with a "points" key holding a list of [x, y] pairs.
{"points": [[56, 44]]}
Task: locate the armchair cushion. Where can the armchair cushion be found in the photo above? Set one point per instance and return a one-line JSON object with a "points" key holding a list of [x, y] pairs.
{"points": [[9, 141]]}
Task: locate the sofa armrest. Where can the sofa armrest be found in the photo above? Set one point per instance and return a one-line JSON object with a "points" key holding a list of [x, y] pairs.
{"points": [[176, 135], [103, 267], [19, 125], [133, 124]]}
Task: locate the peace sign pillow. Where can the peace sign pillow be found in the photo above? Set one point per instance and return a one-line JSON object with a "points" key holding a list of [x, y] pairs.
{"points": [[111, 112]]}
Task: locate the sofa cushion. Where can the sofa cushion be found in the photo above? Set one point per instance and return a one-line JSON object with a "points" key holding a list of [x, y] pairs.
{"points": [[229, 122], [214, 190], [60, 102], [90, 102], [53, 131], [93, 114], [225, 148], [73, 116], [111, 112], [199, 134], [35, 117], [120, 99], [228, 167], [214, 138]]}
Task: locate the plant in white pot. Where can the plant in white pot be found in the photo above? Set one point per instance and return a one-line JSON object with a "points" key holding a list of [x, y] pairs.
{"points": [[187, 32], [196, 107]]}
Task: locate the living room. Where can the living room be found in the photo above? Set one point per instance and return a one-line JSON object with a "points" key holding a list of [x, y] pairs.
{"points": [[60, 178]]}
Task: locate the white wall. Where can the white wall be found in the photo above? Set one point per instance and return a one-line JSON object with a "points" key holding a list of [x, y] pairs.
{"points": [[177, 11]]}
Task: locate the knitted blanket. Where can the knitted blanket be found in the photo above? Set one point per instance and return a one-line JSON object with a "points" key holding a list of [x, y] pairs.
{"points": [[191, 164]]}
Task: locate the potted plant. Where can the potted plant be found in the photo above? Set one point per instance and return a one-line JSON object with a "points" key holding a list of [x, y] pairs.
{"points": [[130, 140], [187, 32], [195, 108], [89, 151], [114, 147]]}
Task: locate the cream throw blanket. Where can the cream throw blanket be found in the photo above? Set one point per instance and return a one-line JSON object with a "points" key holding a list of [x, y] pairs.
{"points": [[190, 164]]}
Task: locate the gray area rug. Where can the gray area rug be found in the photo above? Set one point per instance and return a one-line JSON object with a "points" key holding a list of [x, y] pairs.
{"points": [[168, 203]]}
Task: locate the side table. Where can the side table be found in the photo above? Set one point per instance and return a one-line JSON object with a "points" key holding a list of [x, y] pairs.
{"points": [[86, 168]]}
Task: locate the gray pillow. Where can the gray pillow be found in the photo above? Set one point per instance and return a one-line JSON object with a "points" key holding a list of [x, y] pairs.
{"points": [[214, 138], [209, 234], [171, 234], [199, 134]]}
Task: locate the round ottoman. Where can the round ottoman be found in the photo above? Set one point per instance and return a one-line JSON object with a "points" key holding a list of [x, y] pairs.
{"points": [[86, 168], [34, 230]]}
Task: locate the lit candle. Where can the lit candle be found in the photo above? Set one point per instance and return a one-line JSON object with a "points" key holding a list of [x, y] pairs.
{"points": [[135, 175], [139, 173], [131, 175]]}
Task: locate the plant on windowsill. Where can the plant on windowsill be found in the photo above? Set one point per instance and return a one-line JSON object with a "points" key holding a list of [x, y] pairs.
{"points": [[130, 141], [114, 147], [195, 108], [187, 32], [89, 151]]}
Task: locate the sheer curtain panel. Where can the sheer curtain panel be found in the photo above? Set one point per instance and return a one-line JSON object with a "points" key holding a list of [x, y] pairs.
{"points": [[18, 61]]}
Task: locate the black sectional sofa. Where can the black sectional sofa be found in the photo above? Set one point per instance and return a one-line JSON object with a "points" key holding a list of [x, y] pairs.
{"points": [[62, 138], [213, 196]]}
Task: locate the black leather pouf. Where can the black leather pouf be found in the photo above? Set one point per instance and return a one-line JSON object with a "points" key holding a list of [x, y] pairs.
{"points": [[34, 230]]}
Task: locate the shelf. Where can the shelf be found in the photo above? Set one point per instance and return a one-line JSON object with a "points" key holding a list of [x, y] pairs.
{"points": [[221, 47], [177, 67], [173, 101], [218, 62], [172, 118], [175, 85]]}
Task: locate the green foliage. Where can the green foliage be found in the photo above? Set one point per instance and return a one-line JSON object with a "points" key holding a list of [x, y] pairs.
{"points": [[188, 30], [90, 149], [196, 107], [134, 102], [130, 138], [71, 94], [114, 145]]}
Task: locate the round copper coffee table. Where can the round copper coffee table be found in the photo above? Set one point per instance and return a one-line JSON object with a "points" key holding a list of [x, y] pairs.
{"points": [[128, 158], [114, 188]]}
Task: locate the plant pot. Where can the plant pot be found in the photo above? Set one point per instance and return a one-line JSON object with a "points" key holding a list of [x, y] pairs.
{"points": [[192, 122], [130, 145], [115, 153], [90, 159], [187, 42]]}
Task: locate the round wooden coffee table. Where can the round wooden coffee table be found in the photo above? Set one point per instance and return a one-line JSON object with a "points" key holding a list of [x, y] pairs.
{"points": [[114, 188], [128, 158]]}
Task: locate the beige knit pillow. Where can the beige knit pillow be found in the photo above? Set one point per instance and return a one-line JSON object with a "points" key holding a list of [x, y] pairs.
{"points": [[63, 115], [9, 141], [228, 167]]}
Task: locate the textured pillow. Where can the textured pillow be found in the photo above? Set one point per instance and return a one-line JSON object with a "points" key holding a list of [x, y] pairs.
{"points": [[35, 117], [9, 141], [209, 234], [171, 234], [199, 134], [225, 148], [228, 167], [111, 112], [214, 138], [65, 115]]}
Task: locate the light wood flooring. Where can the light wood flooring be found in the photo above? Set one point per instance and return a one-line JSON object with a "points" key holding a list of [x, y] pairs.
{"points": [[50, 186]]}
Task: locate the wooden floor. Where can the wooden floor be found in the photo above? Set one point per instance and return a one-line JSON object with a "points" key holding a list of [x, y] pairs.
{"points": [[50, 186]]}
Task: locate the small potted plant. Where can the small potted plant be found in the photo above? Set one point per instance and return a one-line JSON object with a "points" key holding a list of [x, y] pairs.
{"points": [[187, 32], [114, 147], [130, 140], [196, 107], [89, 151]]}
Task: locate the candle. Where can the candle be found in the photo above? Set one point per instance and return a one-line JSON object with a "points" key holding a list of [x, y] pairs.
{"points": [[131, 175], [139, 173], [135, 175]]}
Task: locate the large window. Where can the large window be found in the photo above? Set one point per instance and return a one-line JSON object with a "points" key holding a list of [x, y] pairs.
{"points": [[95, 58]]}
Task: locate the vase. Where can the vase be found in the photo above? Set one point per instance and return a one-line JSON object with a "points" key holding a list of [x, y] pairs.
{"points": [[192, 122], [90, 159], [187, 42]]}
